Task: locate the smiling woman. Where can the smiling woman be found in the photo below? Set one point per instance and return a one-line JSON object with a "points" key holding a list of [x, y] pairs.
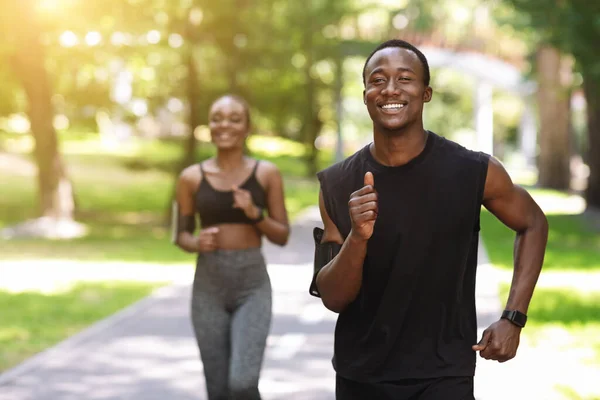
{"points": [[231, 300]]}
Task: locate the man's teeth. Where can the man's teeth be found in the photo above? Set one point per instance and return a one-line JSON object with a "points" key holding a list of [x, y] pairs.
{"points": [[392, 106]]}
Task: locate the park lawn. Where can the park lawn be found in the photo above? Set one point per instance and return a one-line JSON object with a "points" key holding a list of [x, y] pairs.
{"points": [[564, 314], [122, 195], [556, 309], [34, 321], [564, 325], [573, 245]]}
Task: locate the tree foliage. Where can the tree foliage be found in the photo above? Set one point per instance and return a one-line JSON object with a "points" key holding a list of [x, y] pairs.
{"points": [[573, 26]]}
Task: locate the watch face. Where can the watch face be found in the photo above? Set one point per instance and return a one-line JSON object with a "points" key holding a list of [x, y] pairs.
{"points": [[515, 316]]}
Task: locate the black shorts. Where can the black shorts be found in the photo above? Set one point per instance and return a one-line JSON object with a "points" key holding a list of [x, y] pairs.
{"points": [[447, 388]]}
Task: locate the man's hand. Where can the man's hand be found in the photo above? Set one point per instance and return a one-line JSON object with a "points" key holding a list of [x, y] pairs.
{"points": [[499, 342], [207, 239], [363, 209]]}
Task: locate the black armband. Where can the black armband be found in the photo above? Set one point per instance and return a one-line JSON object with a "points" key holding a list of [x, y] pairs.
{"points": [[181, 223], [324, 253], [186, 223]]}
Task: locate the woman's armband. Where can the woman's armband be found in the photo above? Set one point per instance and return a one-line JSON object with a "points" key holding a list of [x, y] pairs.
{"points": [[181, 223]]}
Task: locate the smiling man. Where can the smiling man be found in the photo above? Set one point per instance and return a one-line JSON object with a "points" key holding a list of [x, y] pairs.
{"points": [[398, 254]]}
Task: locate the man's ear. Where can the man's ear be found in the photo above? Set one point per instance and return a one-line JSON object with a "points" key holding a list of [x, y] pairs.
{"points": [[427, 94], [364, 98]]}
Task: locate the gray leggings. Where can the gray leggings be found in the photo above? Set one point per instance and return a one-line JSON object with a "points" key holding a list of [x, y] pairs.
{"points": [[231, 314]]}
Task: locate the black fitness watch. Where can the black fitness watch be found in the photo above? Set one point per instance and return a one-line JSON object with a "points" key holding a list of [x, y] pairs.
{"points": [[516, 317], [260, 216]]}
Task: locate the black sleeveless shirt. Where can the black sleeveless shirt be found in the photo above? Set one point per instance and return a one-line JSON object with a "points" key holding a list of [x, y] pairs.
{"points": [[414, 316], [216, 206]]}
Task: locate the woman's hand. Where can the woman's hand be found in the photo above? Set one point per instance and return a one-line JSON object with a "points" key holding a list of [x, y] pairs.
{"points": [[207, 240], [242, 199]]}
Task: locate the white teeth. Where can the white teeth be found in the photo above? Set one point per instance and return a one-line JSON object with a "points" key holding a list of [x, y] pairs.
{"points": [[394, 106]]}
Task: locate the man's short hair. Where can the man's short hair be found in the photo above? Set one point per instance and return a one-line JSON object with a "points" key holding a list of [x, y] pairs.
{"points": [[403, 45]]}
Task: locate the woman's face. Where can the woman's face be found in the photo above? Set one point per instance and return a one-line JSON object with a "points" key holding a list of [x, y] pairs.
{"points": [[228, 122]]}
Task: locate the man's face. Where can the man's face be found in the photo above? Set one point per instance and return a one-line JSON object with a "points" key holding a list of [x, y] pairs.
{"points": [[394, 88]]}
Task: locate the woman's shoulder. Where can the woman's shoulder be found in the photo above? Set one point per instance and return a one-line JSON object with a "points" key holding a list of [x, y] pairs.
{"points": [[265, 166], [191, 174], [267, 173]]}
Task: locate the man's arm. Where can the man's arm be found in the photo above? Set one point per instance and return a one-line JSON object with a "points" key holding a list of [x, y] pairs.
{"points": [[514, 207], [340, 280]]}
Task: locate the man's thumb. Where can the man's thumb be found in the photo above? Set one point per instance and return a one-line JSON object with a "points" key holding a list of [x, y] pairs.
{"points": [[483, 342], [369, 180]]}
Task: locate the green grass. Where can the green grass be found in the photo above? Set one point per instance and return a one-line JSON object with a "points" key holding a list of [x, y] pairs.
{"points": [[32, 322], [555, 310], [564, 323], [565, 307], [572, 243], [574, 247], [164, 155], [122, 195], [571, 394], [562, 319]]}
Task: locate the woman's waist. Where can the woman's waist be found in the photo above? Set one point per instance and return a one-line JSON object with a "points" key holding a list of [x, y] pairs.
{"points": [[237, 237], [232, 268], [233, 258]]}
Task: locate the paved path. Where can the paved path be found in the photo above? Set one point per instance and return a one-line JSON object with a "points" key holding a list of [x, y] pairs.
{"points": [[147, 351]]}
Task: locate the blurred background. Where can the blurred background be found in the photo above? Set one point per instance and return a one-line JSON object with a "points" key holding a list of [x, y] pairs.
{"points": [[104, 102]]}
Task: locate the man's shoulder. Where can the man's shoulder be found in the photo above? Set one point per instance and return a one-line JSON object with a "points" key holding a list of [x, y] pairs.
{"points": [[456, 151], [342, 169]]}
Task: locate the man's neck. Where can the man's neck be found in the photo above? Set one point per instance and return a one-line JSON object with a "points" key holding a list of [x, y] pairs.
{"points": [[398, 148]]}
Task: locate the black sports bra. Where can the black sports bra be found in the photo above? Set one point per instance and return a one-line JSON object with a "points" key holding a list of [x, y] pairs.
{"points": [[216, 206]]}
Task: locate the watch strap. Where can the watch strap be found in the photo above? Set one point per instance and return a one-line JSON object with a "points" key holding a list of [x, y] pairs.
{"points": [[260, 217], [516, 317]]}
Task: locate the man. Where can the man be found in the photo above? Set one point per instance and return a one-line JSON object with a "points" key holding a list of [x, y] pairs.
{"points": [[398, 255]]}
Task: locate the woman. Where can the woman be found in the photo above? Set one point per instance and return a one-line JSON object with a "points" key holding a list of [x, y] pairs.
{"points": [[238, 200]]}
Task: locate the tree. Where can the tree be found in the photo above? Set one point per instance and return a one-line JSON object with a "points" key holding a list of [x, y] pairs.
{"points": [[574, 27], [43, 69], [22, 32], [554, 109], [310, 20]]}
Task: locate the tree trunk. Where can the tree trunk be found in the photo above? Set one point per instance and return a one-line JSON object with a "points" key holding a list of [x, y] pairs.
{"points": [[55, 191], [591, 87], [312, 126], [554, 108], [313, 154], [194, 118], [311, 123], [339, 105]]}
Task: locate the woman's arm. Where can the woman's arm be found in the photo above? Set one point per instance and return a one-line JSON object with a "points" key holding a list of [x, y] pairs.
{"points": [[186, 219], [274, 225]]}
